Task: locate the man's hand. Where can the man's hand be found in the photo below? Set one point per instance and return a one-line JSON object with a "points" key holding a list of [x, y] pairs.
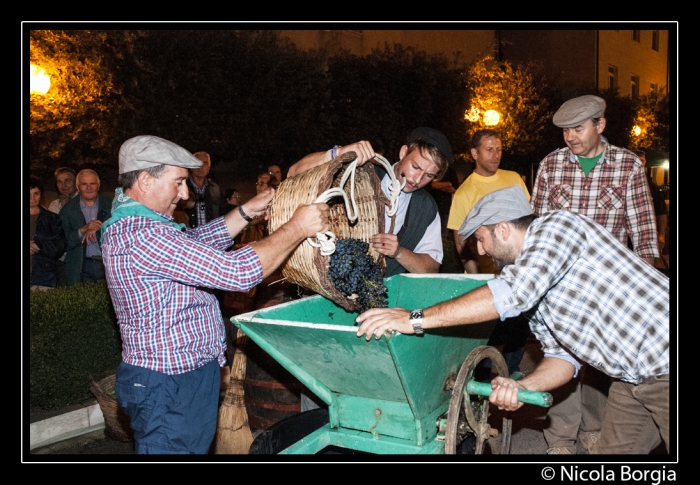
{"points": [[504, 393], [312, 218], [89, 231], [259, 205], [386, 244], [378, 321], [33, 248], [363, 149]]}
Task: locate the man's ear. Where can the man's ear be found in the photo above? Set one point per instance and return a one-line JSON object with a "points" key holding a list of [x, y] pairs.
{"points": [[144, 181], [403, 151], [503, 230], [601, 125]]}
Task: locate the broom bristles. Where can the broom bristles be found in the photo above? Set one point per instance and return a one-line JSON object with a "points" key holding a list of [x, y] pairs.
{"points": [[233, 436]]}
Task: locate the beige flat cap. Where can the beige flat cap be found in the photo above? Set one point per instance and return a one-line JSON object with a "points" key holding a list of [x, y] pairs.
{"points": [[576, 111]]}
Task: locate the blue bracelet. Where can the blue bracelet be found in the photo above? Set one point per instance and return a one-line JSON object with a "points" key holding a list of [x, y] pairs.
{"points": [[334, 152]]}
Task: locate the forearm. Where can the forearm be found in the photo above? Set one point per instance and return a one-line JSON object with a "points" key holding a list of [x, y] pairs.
{"points": [[473, 307], [309, 161], [549, 374], [276, 248], [416, 262], [235, 222]]}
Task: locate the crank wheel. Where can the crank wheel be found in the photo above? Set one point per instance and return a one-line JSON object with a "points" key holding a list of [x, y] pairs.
{"points": [[468, 413]]}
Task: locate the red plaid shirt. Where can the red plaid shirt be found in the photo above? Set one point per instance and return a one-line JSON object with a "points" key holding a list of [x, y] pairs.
{"points": [[158, 278], [615, 194]]}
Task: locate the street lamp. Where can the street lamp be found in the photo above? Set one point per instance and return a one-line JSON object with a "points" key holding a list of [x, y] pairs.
{"points": [[492, 117], [39, 81]]}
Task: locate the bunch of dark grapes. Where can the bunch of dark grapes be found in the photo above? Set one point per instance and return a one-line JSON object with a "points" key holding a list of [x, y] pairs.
{"points": [[354, 272]]}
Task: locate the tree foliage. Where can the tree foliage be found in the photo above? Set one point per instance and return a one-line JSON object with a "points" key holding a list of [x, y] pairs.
{"points": [[383, 96], [517, 93], [653, 119], [246, 97], [75, 118]]}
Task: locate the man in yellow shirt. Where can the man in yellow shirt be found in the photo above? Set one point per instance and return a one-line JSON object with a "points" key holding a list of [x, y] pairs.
{"points": [[486, 151], [486, 178]]}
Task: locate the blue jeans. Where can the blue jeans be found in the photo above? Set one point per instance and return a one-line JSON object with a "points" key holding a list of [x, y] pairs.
{"points": [[170, 414]]}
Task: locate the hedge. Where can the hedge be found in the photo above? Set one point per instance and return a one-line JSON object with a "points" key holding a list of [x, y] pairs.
{"points": [[73, 336]]}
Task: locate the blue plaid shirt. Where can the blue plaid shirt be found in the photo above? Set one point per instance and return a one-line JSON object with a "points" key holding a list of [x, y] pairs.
{"points": [[158, 278], [588, 298]]}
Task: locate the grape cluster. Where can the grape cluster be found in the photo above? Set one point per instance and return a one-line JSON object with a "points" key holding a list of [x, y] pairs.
{"points": [[354, 272]]}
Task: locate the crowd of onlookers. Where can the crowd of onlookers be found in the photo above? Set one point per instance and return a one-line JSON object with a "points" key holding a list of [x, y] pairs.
{"points": [[65, 236]]}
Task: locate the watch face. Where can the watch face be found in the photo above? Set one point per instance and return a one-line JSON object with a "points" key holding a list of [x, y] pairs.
{"points": [[416, 314]]}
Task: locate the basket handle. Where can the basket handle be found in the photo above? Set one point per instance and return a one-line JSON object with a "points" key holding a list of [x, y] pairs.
{"points": [[326, 240]]}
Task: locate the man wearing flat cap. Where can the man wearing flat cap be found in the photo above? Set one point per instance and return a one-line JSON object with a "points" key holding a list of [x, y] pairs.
{"points": [[587, 299], [415, 246], [160, 276], [608, 184]]}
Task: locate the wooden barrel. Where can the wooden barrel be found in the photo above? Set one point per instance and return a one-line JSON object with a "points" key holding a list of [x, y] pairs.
{"points": [[271, 392]]}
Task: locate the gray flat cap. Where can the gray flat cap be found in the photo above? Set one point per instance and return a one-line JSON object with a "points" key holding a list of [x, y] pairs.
{"points": [[146, 151], [498, 206], [576, 111]]}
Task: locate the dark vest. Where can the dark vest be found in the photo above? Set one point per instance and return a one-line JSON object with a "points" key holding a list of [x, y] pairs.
{"points": [[421, 212]]}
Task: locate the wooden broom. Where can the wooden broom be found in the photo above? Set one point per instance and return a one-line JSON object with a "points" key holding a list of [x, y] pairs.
{"points": [[233, 436]]}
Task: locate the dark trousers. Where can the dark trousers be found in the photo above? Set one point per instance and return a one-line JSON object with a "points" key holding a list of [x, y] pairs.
{"points": [[170, 414], [93, 270]]}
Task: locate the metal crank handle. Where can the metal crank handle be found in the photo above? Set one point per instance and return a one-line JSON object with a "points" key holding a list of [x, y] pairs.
{"points": [[543, 399]]}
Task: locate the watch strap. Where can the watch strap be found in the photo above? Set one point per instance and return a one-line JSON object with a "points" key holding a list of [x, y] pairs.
{"points": [[243, 214]]}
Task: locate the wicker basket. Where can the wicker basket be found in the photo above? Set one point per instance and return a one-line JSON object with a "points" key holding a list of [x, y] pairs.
{"points": [[306, 266], [117, 423]]}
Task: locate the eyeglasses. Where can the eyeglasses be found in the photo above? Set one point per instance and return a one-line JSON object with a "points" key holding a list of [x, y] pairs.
{"points": [[260, 184]]}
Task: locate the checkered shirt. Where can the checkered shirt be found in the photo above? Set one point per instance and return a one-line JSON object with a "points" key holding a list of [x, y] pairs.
{"points": [[615, 194], [159, 280], [588, 298]]}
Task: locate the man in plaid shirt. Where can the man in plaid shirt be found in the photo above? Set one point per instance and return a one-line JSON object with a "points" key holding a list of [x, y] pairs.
{"points": [[160, 276], [587, 298], [607, 184]]}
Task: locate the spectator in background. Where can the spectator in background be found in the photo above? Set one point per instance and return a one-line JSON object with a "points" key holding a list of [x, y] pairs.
{"points": [[65, 184], [82, 219], [207, 191], [232, 199], [660, 208], [276, 173], [47, 242]]}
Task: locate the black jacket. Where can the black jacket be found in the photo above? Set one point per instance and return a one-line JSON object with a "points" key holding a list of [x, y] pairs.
{"points": [[50, 238]]}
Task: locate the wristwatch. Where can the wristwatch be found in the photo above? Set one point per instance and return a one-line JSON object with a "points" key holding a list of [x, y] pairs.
{"points": [[416, 319]]}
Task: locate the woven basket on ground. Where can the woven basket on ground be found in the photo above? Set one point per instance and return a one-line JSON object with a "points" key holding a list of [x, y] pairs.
{"points": [[306, 266], [117, 423]]}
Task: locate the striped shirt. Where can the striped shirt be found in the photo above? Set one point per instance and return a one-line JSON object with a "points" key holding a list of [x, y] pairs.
{"points": [[158, 278], [615, 194], [588, 298]]}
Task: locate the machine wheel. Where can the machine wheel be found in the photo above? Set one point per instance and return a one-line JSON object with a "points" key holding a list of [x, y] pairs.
{"points": [[468, 413]]}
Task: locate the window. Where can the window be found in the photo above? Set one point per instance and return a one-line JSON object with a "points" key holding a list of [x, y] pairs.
{"points": [[612, 77], [655, 40], [654, 87], [637, 35], [635, 86]]}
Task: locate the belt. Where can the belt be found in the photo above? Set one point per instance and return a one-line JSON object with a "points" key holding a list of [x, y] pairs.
{"points": [[95, 258]]}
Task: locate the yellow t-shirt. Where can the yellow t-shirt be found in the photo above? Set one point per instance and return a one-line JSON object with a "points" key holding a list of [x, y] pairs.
{"points": [[474, 188]]}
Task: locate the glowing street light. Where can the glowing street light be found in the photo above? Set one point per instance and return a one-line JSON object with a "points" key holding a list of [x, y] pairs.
{"points": [[637, 130], [491, 117], [39, 81]]}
